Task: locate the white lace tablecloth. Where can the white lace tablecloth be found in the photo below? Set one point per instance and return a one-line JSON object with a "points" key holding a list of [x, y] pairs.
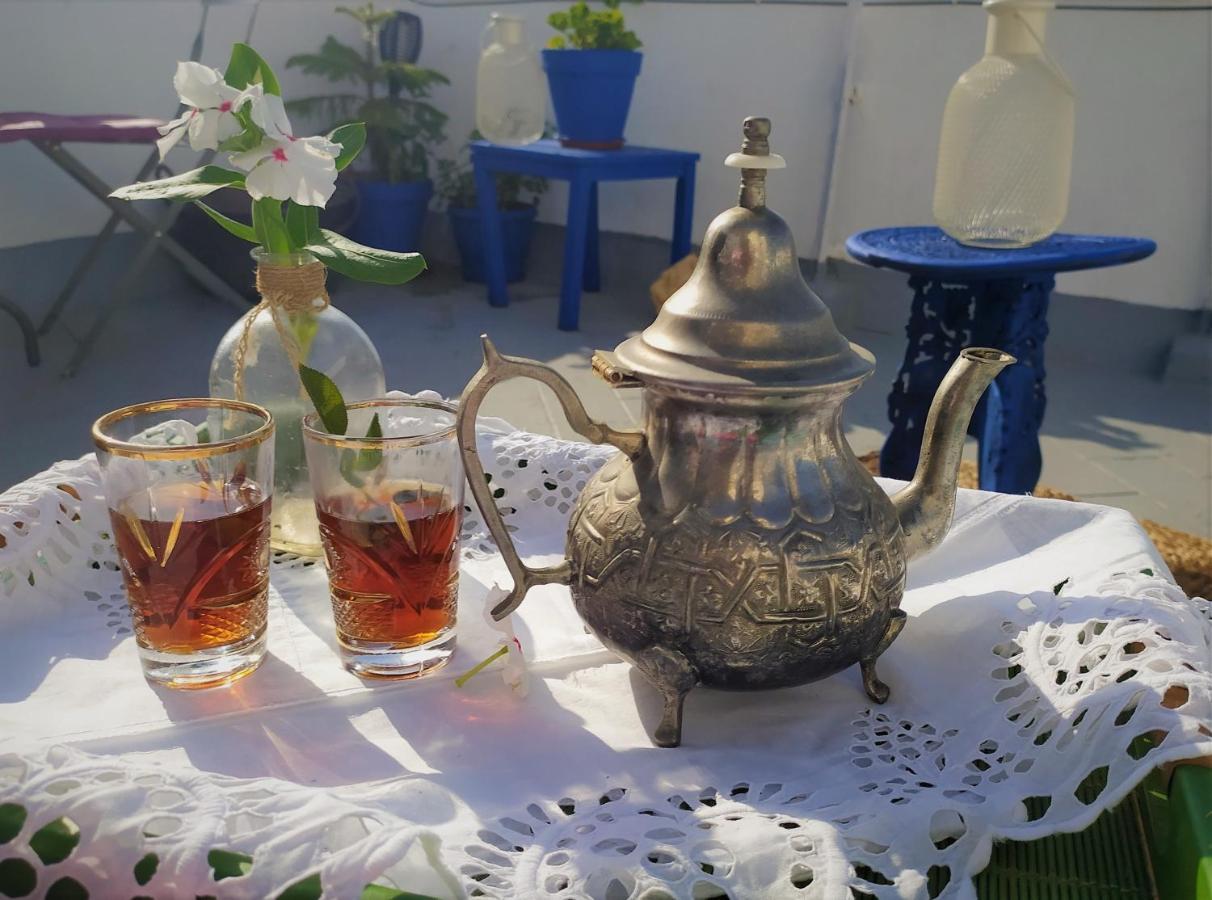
{"points": [[1001, 691]]}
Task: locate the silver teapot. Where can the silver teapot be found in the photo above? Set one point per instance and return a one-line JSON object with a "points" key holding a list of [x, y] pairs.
{"points": [[736, 541]]}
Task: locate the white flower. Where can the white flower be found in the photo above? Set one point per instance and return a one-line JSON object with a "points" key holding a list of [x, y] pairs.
{"points": [[283, 166], [210, 118], [300, 169], [515, 673], [269, 114]]}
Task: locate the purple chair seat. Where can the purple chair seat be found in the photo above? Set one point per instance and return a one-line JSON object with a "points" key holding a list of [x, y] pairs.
{"points": [[27, 126]]}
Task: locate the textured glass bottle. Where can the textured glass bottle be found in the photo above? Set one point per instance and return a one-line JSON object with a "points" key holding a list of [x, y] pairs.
{"points": [[1006, 147], [511, 92], [329, 341]]}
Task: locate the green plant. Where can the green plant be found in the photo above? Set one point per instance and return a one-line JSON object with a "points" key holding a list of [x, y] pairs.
{"points": [[402, 126], [457, 184], [584, 29]]}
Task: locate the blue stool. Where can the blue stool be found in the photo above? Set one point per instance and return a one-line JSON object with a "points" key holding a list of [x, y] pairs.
{"points": [[970, 296], [582, 169]]}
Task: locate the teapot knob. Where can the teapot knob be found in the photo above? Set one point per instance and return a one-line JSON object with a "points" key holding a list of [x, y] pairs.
{"points": [[753, 161]]}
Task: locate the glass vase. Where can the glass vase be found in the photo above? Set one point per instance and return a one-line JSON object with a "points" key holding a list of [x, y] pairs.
{"points": [[1006, 147], [511, 93], [327, 340]]}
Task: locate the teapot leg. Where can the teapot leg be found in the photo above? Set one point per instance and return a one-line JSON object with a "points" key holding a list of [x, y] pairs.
{"points": [[673, 675], [876, 689]]}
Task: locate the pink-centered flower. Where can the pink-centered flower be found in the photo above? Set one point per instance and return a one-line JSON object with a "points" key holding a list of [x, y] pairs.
{"points": [[212, 105], [283, 166], [300, 169]]}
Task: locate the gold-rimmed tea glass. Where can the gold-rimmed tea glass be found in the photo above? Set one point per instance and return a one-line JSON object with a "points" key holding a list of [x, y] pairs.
{"points": [[189, 485], [390, 512]]}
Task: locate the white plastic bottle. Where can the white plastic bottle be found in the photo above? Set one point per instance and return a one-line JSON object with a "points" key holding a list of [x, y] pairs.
{"points": [[1006, 148], [511, 92]]}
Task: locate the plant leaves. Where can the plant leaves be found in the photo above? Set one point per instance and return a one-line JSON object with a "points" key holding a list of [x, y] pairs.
{"points": [[365, 263], [355, 461], [352, 139], [239, 229], [269, 226], [326, 398], [190, 185], [302, 223], [335, 61], [247, 67]]}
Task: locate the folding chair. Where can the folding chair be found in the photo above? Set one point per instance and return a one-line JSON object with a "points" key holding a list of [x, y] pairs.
{"points": [[49, 133]]}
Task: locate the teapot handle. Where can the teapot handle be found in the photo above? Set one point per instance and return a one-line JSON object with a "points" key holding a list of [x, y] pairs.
{"points": [[498, 368]]}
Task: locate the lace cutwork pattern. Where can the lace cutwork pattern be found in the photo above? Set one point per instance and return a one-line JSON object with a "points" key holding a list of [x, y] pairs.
{"points": [[1077, 698]]}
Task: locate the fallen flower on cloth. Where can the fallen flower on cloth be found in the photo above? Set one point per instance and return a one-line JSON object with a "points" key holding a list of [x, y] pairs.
{"points": [[514, 673]]}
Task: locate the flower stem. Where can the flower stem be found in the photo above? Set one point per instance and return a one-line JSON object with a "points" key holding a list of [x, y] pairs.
{"points": [[480, 667]]}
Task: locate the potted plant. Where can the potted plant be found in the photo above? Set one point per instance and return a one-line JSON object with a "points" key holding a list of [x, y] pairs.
{"points": [[591, 68], [517, 200], [402, 128]]}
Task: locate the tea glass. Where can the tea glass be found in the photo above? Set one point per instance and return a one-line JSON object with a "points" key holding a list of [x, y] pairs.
{"points": [[189, 485], [390, 511]]}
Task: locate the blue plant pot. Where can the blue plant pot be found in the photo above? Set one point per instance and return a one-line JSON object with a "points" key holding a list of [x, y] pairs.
{"points": [[517, 227], [591, 94], [392, 216]]}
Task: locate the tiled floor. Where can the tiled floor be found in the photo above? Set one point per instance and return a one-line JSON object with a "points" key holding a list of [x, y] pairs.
{"points": [[1109, 438]]}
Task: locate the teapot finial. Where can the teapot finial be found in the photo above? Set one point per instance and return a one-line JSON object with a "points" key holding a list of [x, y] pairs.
{"points": [[753, 161]]}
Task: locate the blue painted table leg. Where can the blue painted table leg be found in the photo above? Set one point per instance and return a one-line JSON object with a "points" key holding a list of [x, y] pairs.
{"points": [[683, 215], [1013, 316], [940, 325], [574, 253], [593, 274], [494, 249]]}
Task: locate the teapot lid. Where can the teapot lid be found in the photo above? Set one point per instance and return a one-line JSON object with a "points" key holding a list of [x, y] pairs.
{"points": [[746, 319]]}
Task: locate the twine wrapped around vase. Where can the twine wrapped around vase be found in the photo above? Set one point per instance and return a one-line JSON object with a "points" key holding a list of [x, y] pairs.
{"points": [[283, 289]]}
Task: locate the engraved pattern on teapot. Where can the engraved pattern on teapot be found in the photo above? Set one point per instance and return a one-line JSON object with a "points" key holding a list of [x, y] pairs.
{"points": [[757, 596]]}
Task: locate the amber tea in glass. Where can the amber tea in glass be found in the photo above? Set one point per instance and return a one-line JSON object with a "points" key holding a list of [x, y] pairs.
{"points": [[390, 511], [188, 484]]}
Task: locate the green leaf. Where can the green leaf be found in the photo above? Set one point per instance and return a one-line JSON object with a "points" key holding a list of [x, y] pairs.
{"points": [[190, 185], [248, 139], [307, 889], [326, 398], [365, 263], [247, 67], [355, 461], [335, 61], [239, 229], [352, 139], [302, 223], [269, 226]]}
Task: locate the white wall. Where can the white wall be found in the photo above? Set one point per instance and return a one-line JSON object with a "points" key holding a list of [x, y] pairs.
{"points": [[1142, 156]]}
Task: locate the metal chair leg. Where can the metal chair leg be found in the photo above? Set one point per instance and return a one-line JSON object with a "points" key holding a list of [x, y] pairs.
{"points": [[92, 254], [27, 329]]}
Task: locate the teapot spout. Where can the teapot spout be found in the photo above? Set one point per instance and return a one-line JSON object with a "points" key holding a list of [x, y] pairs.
{"points": [[925, 506]]}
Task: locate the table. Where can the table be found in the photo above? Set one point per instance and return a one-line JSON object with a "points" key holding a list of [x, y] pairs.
{"points": [[1003, 692], [583, 170], [971, 296]]}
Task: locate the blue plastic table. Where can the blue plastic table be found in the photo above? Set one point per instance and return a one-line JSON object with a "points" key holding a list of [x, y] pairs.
{"points": [[582, 169], [966, 296]]}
